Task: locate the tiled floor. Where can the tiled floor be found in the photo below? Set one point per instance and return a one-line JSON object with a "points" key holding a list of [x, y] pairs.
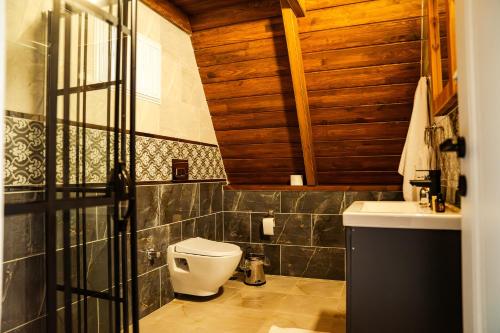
{"points": [[283, 301]]}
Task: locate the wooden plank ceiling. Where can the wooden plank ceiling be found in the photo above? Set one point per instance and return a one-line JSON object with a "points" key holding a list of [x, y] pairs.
{"points": [[361, 61]]}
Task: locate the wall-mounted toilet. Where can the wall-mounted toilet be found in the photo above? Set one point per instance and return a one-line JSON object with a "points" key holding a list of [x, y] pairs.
{"points": [[200, 266]]}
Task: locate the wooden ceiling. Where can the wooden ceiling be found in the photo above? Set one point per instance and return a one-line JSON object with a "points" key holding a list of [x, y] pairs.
{"points": [[361, 61]]}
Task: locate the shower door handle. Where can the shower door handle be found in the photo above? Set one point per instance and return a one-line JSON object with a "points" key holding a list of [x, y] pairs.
{"points": [[120, 183]]}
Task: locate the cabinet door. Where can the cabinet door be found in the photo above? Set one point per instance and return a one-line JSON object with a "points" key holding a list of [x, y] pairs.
{"points": [[403, 281]]}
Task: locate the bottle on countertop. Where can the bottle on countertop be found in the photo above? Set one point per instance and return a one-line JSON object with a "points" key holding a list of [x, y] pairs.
{"points": [[424, 197], [440, 206], [434, 203]]}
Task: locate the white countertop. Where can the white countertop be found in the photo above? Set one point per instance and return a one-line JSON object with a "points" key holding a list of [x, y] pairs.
{"points": [[399, 214]]}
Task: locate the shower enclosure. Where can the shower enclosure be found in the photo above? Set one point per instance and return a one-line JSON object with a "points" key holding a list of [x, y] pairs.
{"points": [[86, 189]]}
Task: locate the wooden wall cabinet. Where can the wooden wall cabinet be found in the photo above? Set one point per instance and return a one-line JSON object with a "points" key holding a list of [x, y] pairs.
{"points": [[442, 54]]}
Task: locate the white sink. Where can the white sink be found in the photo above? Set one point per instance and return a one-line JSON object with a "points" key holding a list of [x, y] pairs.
{"points": [[398, 214]]}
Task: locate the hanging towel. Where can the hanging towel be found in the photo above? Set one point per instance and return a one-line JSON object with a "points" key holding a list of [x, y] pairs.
{"points": [[416, 154], [276, 329]]}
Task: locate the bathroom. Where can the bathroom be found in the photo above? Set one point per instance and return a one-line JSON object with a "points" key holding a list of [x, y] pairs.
{"points": [[301, 166]]}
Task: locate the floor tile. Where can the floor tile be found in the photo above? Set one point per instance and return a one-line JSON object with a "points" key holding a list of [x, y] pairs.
{"points": [[283, 301]]}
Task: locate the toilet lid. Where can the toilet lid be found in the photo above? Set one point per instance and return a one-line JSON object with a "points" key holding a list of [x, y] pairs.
{"points": [[205, 247]]}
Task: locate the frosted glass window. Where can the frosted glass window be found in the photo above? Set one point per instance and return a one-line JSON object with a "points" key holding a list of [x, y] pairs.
{"points": [[148, 82]]}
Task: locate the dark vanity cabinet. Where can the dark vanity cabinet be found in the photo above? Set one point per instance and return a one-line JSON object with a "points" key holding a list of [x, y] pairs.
{"points": [[403, 281]]}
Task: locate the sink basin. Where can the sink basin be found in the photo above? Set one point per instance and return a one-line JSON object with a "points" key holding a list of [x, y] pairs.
{"points": [[398, 214]]}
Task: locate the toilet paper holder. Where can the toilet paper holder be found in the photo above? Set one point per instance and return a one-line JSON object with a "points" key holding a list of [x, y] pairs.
{"points": [[268, 224]]}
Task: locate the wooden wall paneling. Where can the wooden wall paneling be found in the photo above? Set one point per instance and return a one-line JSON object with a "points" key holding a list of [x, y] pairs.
{"points": [[260, 135], [242, 51], [249, 87], [363, 76], [387, 130], [406, 52], [343, 188], [237, 13], [290, 9], [196, 7], [320, 4], [359, 147], [318, 41], [237, 33], [361, 114], [390, 94], [273, 66], [171, 13], [360, 177], [360, 71], [263, 103], [356, 14], [255, 120], [255, 151], [360, 163], [290, 165], [375, 33], [261, 178], [402, 52]]}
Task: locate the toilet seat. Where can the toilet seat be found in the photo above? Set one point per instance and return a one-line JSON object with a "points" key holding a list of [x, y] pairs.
{"points": [[205, 247]]}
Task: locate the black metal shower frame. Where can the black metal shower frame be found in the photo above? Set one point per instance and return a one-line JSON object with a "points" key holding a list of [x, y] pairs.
{"points": [[120, 192]]}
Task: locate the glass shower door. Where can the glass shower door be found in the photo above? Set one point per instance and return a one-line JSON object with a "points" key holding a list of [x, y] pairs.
{"points": [[86, 192]]}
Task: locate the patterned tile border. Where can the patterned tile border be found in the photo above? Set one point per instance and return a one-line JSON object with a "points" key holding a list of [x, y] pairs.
{"points": [[25, 149]]}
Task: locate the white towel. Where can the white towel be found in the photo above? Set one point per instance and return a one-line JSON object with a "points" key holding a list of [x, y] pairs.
{"points": [[276, 329], [416, 154]]}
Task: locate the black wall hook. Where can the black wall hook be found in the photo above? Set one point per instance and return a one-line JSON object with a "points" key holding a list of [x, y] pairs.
{"points": [[449, 145]]}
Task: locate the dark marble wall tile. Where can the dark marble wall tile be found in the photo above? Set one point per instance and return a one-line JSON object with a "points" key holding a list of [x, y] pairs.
{"points": [[255, 201], [391, 196], [174, 233], [205, 227], [92, 320], [188, 228], [24, 235], [79, 219], [147, 206], [311, 202], [155, 239], [210, 198], [23, 197], [236, 227], [97, 272], [293, 229], [272, 252], [351, 196], [167, 291], [36, 326], [104, 220], [219, 227], [313, 262], [149, 292], [179, 202], [97, 269], [23, 296], [328, 231]]}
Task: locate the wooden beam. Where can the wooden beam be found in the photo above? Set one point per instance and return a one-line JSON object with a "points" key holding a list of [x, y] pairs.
{"points": [[299, 89], [298, 7], [171, 13], [434, 49]]}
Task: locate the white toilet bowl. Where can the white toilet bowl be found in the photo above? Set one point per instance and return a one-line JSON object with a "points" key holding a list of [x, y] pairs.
{"points": [[200, 266]]}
